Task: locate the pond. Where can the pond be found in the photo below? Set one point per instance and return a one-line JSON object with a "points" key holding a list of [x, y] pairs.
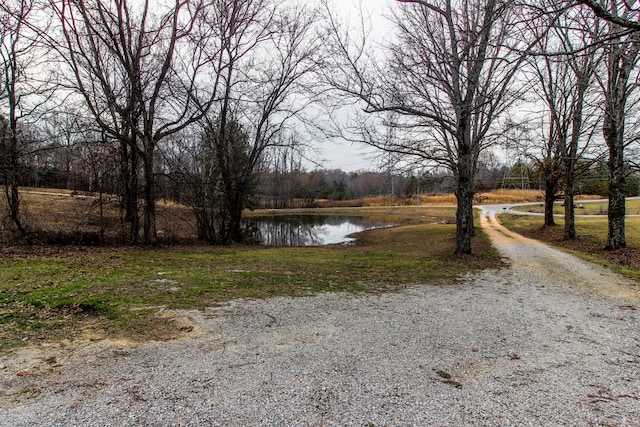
{"points": [[309, 230]]}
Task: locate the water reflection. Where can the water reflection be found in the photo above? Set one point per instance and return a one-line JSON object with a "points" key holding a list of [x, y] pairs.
{"points": [[309, 230]]}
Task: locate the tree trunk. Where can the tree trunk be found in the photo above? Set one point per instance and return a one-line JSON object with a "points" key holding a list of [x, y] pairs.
{"points": [[10, 169], [204, 225], [616, 237], [150, 236], [11, 190], [622, 59], [550, 186], [571, 153], [613, 132], [235, 213], [13, 203], [464, 212], [235, 229], [129, 196], [569, 209]]}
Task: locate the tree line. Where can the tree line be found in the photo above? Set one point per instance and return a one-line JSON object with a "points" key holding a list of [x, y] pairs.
{"points": [[212, 101]]}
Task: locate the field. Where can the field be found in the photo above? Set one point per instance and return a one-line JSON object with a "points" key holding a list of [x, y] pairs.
{"points": [[74, 291], [71, 293], [492, 197], [61, 217], [130, 293]]}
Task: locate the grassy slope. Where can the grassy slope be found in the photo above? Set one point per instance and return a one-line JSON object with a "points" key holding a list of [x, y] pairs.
{"points": [[120, 293], [123, 293]]}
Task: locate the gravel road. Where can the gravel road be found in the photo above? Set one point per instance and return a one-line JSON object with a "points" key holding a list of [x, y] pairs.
{"points": [[548, 340]]}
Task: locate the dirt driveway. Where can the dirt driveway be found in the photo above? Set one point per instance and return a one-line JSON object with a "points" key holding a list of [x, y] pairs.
{"points": [[547, 341]]}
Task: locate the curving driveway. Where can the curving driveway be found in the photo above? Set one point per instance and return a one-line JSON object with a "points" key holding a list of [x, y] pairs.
{"points": [[549, 340], [531, 257]]}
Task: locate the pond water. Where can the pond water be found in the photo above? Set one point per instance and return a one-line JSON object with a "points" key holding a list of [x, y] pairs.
{"points": [[309, 230]]}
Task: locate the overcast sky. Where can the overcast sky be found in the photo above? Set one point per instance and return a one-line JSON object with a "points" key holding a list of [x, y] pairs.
{"points": [[339, 154]]}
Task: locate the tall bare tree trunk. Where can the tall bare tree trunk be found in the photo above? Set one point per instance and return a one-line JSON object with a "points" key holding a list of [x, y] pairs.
{"points": [[569, 207], [570, 160], [17, 58], [12, 196], [150, 235], [622, 59], [550, 187], [464, 197], [10, 166], [616, 238], [129, 189], [464, 219]]}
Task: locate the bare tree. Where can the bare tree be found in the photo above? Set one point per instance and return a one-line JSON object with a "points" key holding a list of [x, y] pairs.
{"points": [[282, 178], [21, 92], [564, 70], [622, 49], [584, 66], [260, 99], [625, 16], [450, 76], [137, 70]]}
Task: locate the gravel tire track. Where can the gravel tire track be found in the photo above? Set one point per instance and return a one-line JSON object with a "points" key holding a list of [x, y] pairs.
{"points": [[549, 340]]}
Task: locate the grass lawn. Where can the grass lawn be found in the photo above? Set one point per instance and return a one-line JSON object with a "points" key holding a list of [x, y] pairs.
{"points": [[592, 238], [97, 294]]}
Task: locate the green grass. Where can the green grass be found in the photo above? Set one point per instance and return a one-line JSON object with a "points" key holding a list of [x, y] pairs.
{"points": [[119, 294]]}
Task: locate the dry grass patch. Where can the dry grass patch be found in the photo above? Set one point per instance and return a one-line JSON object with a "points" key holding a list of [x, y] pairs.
{"points": [[502, 196], [505, 196], [594, 207], [63, 217]]}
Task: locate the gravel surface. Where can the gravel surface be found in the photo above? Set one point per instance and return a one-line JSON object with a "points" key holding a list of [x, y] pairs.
{"points": [[549, 340]]}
